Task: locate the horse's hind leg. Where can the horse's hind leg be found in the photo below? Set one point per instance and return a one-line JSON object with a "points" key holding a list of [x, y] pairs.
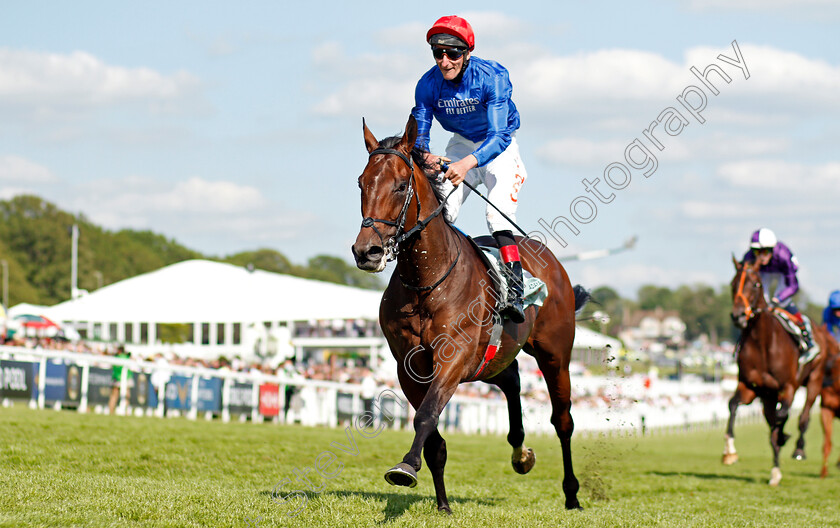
{"points": [[742, 396], [813, 387], [560, 392], [826, 416], [522, 458]]}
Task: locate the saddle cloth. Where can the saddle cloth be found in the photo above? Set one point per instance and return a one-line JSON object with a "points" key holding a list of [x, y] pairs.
{"points": [[535, 290], [792, 328]]}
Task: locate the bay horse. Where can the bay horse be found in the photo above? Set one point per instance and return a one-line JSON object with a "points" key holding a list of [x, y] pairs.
{"points": [[436, 313], [768, 367], [830, 400]]}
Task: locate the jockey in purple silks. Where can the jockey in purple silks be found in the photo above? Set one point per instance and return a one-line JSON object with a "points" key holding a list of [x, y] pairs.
{"points": [[471, 97], [777, 262], [831, 314]]}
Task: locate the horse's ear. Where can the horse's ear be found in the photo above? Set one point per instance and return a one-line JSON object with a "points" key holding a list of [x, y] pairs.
{"points": [[410, 135], [735, 262], [370, 141]]}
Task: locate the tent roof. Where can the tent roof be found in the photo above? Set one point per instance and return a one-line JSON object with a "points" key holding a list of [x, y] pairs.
{"points": [[207, 291], [586, 338]]}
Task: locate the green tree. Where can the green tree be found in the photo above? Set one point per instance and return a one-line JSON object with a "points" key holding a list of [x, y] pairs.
{"points": [[264, 259], [334, 269]]}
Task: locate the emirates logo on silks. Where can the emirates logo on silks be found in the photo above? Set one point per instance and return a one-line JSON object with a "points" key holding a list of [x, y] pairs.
{"points": [[455, 106]]}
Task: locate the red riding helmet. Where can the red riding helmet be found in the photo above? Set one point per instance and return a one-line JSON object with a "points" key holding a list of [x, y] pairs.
{"points": [[455, 26]]}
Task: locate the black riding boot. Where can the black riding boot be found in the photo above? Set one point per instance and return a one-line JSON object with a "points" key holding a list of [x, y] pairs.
{"points": [[514, 309], [811, 350], [509, 252]]}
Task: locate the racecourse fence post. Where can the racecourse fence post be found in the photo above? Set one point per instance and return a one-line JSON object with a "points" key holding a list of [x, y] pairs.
{"points": [[83, 398], [226, 400], [122, 409], [42, 382], [255, 401], [193, 412]]}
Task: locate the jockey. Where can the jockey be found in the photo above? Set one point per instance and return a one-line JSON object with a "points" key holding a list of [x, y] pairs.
{"points": [[776, 261], [831, 314], [471, 97]]}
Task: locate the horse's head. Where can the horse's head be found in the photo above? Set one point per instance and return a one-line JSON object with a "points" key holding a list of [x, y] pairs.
{"points": [[747, 293], [387, 185]]}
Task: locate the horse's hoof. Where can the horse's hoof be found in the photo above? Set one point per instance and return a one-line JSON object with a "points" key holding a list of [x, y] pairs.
{"points": [[824, 473], [573, 505], [523, 460], [401, 475], [775, 476], [445, 509], [799, 454], [729, 458]]}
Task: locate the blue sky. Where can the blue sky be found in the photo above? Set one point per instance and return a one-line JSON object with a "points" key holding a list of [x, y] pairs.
{"points": [[234, 128]]}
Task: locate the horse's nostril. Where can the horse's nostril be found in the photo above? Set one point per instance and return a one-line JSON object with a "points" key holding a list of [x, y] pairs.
{"points": [[375, 252]]}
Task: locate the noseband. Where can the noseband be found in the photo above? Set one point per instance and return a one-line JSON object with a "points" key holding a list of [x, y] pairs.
{"points": [[391, 245]]}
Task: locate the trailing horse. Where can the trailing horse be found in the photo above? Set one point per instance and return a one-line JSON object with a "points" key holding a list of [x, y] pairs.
{"points": [[830, 400], [439, 310], [768, 367]]}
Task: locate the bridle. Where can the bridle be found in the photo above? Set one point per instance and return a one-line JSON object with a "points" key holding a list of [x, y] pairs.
{"points": [[739, 295], [391, 245]]}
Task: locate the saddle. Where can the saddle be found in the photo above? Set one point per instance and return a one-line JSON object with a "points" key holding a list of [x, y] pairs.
{"points": [[789, 324], [535, 292]]}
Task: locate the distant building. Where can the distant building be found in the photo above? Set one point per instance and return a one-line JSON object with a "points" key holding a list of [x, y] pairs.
{"points": [[654, 330]]}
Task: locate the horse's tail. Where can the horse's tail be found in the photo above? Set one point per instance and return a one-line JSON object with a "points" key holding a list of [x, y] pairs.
{"points": [[581, 298]]}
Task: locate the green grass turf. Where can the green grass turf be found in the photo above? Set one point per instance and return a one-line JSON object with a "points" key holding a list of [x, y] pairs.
{"points": [[66, 469]]}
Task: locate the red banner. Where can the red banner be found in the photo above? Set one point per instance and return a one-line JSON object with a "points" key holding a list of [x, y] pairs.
{"points": [[269, 399]]}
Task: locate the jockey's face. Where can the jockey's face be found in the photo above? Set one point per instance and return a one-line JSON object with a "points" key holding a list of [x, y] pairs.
{"points": [[450, 68], [837, 312], [763, 255]]}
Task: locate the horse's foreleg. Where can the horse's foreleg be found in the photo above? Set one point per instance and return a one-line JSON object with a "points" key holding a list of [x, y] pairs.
{"points": [[744, 396], [771, 415], [522, 458], [826, 418], [434, 451], [813, 388], [425, 425]]}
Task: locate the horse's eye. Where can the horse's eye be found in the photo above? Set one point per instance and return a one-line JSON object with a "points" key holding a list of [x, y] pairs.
{"points": [[402, 187]]}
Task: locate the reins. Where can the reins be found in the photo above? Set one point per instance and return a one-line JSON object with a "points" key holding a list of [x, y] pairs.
{"points": [[748, 312], [391, 246]]}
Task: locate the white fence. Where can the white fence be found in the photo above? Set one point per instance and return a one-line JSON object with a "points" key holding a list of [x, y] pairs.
{"points": [[191, 391]]}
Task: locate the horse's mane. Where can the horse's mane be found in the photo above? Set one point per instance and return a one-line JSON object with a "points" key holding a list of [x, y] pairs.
{"points": [[417, 154]]}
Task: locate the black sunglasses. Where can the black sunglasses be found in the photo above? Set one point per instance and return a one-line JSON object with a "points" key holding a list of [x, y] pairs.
{"points": [[452, 53]]}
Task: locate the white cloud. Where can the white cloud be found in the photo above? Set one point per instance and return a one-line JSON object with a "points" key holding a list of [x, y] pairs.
{"points": [[14, 169], [610, 88], [79, 78], [143, 198], [755, 5], [595, 154], [782, 175]]}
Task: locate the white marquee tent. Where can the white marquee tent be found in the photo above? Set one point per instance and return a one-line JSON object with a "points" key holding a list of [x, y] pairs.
{"points": [[231, 310], [202, 290], [229, 307]]}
